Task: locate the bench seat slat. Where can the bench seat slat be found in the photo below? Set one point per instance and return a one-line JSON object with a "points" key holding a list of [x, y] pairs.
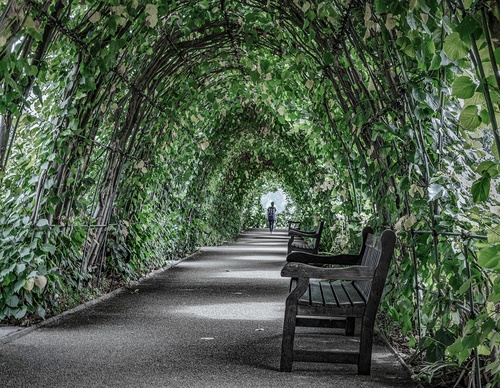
{"points": [[354, 295], [316, 294], [340, 294], [328, 295], [305, 298]]}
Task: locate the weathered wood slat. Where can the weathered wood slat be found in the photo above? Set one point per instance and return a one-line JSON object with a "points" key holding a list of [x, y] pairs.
{"points": [[328, 295], [353, 293], [336, 323], [305, 298], [354, 272], [316, 294], [341, 296], [348, 311], [370, 258], [325, 356]]}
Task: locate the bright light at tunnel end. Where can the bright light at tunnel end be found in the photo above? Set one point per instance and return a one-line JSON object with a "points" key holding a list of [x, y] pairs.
{"points": [[278, 197]]}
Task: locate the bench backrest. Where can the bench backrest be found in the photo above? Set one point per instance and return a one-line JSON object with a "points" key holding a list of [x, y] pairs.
{"points": [[367, 231], [377, 254], [319, 230]]}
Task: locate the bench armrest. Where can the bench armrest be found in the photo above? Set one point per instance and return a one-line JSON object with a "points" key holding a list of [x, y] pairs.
{"points": [[310, 258], [301, 270]]}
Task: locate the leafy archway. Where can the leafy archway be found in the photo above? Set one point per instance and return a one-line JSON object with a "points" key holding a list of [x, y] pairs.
{"points": [[133, 132]]}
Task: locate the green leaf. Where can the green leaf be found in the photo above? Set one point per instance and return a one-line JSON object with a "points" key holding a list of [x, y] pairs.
{"points": [[485, 116], [488, 166], [456, 348], [487, 327], [469, 118], [454, 47], [463, 87], [42, 222], [410, 19], [433, 101], [49, 248], [29, 284], [255, 76], [464, 287], [250, 41], [328, 58], [9, 279], [41, 312], [19, 284], [483, 350], [20, 268], [36, 89], [490, 257], [88, 181], [435, 62], [434, 352], [472, 341], [428, 47], [494, 235], [7, 270], [481, 188], [12, 301], [25, 251], [436, 191], [21, 312], [467, 27], [381, 6], [264, 65]]}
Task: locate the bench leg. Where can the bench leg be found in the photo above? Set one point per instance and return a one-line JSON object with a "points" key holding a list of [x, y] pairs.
{"points": [[288, 337], [290, 323], [365, 351]]}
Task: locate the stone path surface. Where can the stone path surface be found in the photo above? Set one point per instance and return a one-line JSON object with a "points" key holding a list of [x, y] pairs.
{"points": [[212, 320]]}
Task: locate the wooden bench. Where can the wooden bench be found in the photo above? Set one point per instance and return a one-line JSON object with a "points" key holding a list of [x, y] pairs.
{"points": [[355, 293], [303, 241]]}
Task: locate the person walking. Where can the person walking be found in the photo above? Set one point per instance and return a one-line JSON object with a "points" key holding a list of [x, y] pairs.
{"points": [[271, 216]]}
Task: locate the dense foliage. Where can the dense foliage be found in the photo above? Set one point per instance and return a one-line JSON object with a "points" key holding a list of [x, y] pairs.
{"points": [[134, 131]]}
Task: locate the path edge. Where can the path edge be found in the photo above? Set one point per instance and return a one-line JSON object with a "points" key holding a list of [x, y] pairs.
{"points": [[59, 317]]}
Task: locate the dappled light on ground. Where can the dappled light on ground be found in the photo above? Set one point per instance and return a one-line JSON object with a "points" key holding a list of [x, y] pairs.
{"points": [[249, 311]]}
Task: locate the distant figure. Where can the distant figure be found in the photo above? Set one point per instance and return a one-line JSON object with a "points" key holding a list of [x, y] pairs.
{"points": [[271, 216]]}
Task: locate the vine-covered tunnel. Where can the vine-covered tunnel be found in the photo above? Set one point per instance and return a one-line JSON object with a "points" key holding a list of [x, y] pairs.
{"points": [[133, 132]]}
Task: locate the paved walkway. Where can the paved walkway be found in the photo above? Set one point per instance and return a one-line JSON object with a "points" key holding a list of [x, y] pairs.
{"points": [[213, 320]]}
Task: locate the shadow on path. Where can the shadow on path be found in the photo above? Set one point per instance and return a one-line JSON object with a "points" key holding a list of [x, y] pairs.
{"points": [[213, 320]]}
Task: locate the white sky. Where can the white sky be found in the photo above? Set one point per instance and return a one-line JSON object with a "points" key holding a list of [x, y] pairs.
{"points": [[278, 197]]}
